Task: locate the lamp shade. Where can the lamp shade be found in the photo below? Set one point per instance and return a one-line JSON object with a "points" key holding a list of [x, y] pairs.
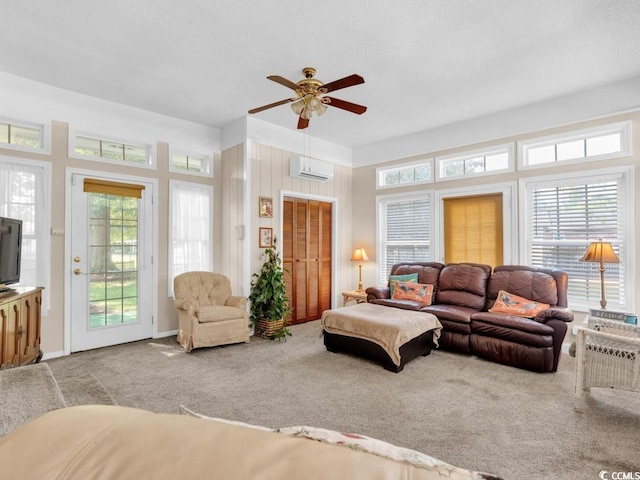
{"points": [[359, 255], [600, 252]]}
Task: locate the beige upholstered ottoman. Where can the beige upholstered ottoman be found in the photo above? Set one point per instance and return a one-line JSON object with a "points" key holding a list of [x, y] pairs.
{"points": [[390, 336]]}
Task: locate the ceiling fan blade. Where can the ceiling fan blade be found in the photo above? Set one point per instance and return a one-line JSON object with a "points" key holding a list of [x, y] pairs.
{"points": [[344, 105], [271, 105], [283, 81], [343, 83], [302, 123]]}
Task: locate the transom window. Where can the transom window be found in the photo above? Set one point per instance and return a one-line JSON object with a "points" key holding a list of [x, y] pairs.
{"points": [[406, 174], [498, 159], [22, 135], [95, 148], [605, 142], [191, 164]]}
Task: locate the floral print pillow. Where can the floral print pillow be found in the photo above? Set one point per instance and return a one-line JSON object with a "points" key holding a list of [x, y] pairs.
{"points": [[362, 443], [514, 305], [419, 292]]}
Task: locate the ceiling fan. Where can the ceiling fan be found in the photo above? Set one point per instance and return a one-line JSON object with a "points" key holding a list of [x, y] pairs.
{"points": [[311, 96]]}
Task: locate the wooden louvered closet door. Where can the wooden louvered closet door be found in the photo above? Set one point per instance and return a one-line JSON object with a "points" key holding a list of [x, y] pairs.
{"points": [[306, 254]]}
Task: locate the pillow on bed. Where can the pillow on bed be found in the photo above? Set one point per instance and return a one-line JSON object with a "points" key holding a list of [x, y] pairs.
{"points": [[419, 292], [409, 277], [514, 305]]}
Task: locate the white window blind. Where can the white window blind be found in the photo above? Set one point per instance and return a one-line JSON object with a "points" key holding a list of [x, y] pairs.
{"points": [[564, 218], [191, 217], [404, 231]]}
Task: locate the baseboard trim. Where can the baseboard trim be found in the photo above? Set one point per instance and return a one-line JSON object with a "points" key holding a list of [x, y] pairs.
{"points": [[50, 355], [169, 333]]}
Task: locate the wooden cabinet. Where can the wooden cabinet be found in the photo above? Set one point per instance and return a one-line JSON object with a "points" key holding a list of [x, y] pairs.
{"points": [[20, 312], [306, 255]]}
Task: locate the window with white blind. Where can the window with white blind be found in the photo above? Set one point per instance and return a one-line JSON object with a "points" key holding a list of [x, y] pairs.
{"points": [[404, 231], [564, 215], [190, 229], [24, 194]]}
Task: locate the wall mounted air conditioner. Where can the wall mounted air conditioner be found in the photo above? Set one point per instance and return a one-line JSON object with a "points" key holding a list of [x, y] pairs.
{"points": [[311, 169]]}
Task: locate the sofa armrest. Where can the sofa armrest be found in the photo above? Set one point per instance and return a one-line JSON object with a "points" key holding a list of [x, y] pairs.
{"points": [[555, 313], [378, 292], [236, 301], [185, 305]]}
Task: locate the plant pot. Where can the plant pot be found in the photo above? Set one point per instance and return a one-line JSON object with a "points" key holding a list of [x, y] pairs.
{"points": [[267, 329]]}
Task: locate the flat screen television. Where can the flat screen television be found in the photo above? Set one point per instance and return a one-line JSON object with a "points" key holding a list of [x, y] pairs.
{"points": [[10, 249]]}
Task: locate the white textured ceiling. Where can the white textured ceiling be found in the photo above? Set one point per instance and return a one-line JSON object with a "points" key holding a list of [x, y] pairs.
{"points": [[426, 63]]}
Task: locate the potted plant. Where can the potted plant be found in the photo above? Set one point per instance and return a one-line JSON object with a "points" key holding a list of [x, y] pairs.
{"points": [[269, 301]]}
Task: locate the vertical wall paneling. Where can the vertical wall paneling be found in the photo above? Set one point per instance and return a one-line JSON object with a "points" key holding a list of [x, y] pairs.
{"points": [[232, 222], [269, 172]]}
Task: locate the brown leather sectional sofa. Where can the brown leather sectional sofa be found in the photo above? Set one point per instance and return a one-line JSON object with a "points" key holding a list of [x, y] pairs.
{"points": [[464, 292]]}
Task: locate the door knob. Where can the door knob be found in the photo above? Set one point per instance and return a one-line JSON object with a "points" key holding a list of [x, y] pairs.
{"points": [[77, 271], [76, 259]]}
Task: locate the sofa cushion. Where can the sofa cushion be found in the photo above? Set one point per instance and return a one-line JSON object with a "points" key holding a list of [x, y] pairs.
{"points": [[428, 272], [527, 283], [219, 313], [419, 292], [452, 313], [99, 441], [463, 284], [392, 302], [393, 279], [512, 328], [512, 304]]}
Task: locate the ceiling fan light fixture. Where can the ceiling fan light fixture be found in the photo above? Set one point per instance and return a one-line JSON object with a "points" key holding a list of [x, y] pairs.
{"points": [[298, 106], [311, 96], [307, 112], [321, 108]]}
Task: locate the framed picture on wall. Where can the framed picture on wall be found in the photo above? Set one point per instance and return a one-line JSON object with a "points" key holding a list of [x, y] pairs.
{"points": [[266, 207], [265, 237]]}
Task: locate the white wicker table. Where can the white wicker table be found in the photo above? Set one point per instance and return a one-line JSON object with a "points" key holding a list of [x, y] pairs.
{"points": [[607, 355]]}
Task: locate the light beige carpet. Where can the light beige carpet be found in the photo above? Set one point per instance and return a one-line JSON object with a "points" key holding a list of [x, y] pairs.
{"points": [[466, 411], [25, 393]]}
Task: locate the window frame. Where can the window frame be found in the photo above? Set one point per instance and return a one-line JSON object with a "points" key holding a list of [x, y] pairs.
{"points": [[624, 128], [43, 220], [207, 161], [173, 184], [408, 196], [381, 171], [150, 150], [508, 148], [508, 190], [45, 134], [626, 223]]}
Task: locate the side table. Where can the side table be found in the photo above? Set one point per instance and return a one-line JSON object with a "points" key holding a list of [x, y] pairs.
{"points": [[354, 295]]}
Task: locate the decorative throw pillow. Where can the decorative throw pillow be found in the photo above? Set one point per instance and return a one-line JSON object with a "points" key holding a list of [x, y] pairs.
{"points": [[409, 277], [419, 292], [514, 305]]}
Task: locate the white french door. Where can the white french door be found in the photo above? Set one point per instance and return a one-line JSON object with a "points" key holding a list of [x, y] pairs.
{"points": [[110, 261]]}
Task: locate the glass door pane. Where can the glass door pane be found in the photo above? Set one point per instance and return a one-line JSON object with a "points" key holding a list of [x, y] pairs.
{"points": [[113, 260]]}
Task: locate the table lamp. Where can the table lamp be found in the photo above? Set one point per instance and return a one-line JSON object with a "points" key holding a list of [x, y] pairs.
{"points": [[600, 252], [359, 255]]}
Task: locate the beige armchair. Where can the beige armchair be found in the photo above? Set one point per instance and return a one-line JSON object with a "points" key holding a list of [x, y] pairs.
{"points": [[208, 315]]}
